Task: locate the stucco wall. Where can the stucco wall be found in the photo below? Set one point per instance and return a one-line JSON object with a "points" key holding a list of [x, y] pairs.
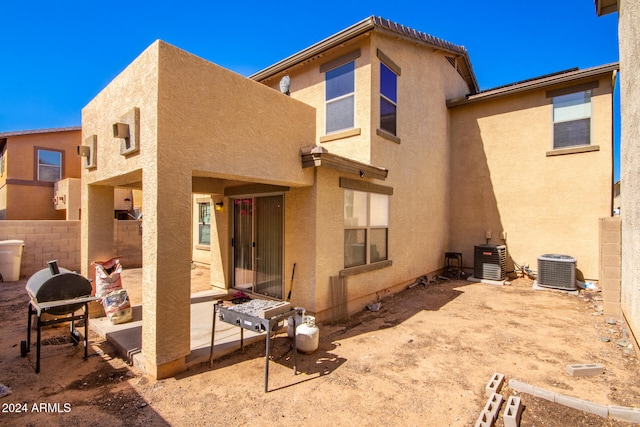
{"points": [[60, 240], [27, 198], [418, 173], [503, 180], [629, 36]]}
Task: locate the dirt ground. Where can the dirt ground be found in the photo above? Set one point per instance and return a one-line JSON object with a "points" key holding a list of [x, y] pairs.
{"points": [[423, 359]]}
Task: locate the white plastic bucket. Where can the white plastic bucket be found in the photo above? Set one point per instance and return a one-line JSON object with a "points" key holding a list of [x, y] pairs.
{"points": [[10, 259]]}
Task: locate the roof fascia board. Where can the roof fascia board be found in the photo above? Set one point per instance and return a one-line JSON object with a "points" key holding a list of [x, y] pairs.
{"points": [[356, 30], [534, 84], [30, 132], [316, 49]]}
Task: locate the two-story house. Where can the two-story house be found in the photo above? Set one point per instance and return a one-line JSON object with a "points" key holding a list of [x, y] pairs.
{"points": [[361, 160], [31, 163]]}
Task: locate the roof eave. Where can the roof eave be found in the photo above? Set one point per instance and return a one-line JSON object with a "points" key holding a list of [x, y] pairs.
{"points": [[534, 84], [316, 49], [30, 132], [361, 28], [605, 7]]}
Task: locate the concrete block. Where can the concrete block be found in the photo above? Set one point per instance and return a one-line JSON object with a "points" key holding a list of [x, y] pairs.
{"points": [[583, 405], [494, 384], [585, 370], [612, 309], [623, 413], [484, 420], [493, 405], [534, 391], [512, 412]]}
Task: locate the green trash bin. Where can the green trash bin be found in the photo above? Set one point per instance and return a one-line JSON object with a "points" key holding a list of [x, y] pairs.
{"points": [[10, 259]]}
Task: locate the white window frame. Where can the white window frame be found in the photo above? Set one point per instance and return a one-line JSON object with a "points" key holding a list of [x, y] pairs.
{"points": [[352, 223], [572, 113], [202, 223], [328, 102]]}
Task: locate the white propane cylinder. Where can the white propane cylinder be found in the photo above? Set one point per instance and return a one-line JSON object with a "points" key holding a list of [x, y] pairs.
{"points": [[299, 319], [307, 335]]}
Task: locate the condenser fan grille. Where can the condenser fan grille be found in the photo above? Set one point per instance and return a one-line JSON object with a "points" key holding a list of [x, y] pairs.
{"points": [[557, 271]]}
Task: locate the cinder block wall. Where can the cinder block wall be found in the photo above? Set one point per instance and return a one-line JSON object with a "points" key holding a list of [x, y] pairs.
{"points": [[60, 240], [610, 264]]}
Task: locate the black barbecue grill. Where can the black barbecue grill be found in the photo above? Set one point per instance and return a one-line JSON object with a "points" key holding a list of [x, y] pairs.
{"points": [[60, 293]]}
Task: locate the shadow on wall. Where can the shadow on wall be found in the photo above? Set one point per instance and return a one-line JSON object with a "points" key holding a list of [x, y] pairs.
{"points": [[474, 207]]}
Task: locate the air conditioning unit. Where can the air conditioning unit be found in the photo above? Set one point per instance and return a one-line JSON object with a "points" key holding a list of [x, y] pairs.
{"points": [[557, 271], [489, 262]]}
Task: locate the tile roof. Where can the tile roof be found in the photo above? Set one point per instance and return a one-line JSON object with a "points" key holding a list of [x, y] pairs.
{"points": [[30, 132], [379, 24], [535, 83]]}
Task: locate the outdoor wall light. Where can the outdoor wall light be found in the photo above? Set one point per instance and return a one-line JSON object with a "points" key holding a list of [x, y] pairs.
{"points": [[219, 206], [84, 151], [88, 151], [127, 130], [120, 130]]}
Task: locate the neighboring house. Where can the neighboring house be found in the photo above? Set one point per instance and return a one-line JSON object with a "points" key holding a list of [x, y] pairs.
{"points": [[40, 174], [32, 162], [374, 167], [629, 39]]}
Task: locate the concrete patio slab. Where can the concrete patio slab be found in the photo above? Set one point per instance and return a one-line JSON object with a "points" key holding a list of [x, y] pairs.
{"points": [[127, 337]]}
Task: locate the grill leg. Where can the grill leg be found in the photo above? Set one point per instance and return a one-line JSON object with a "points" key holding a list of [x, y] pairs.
{"points": [[86, 329], [29, 329], [213, 334], [266, 366], [38, 335]]}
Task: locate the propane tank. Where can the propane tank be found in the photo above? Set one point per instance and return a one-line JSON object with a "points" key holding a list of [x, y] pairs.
{"points": [[307, 335], [299, 316]]}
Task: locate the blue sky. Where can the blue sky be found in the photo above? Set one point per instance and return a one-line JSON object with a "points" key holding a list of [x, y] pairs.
{"points": [[56, 56]]}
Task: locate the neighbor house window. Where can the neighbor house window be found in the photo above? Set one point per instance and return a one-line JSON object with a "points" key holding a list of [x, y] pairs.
{"points": [[204, 224], [388, 99], [366, 227], [340, 98], [49, 166], [572, 119]]}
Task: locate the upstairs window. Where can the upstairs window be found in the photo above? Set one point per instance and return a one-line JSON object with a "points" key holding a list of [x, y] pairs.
{"points": [[340, 98], [49, 165], [388, 99], [572, 119]]}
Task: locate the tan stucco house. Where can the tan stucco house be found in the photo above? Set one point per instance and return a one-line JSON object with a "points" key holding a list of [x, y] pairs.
{"points": [[361, 159], [629, 40], [31, 163]]}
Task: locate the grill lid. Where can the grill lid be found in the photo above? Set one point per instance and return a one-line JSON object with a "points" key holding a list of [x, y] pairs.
{"points": [[46, 286]]}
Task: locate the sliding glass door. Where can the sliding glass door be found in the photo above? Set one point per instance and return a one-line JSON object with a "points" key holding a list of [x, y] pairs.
{"points": [[258, 245]]}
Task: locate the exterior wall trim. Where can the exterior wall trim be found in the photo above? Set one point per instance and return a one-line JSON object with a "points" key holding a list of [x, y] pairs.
{"points": [[344, 59], [573, 150], [573, 89], [369, 187]]}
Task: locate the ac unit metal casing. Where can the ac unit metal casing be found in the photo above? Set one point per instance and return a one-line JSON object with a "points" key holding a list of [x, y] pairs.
{"points": [[557, 271], [489, 262]]}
